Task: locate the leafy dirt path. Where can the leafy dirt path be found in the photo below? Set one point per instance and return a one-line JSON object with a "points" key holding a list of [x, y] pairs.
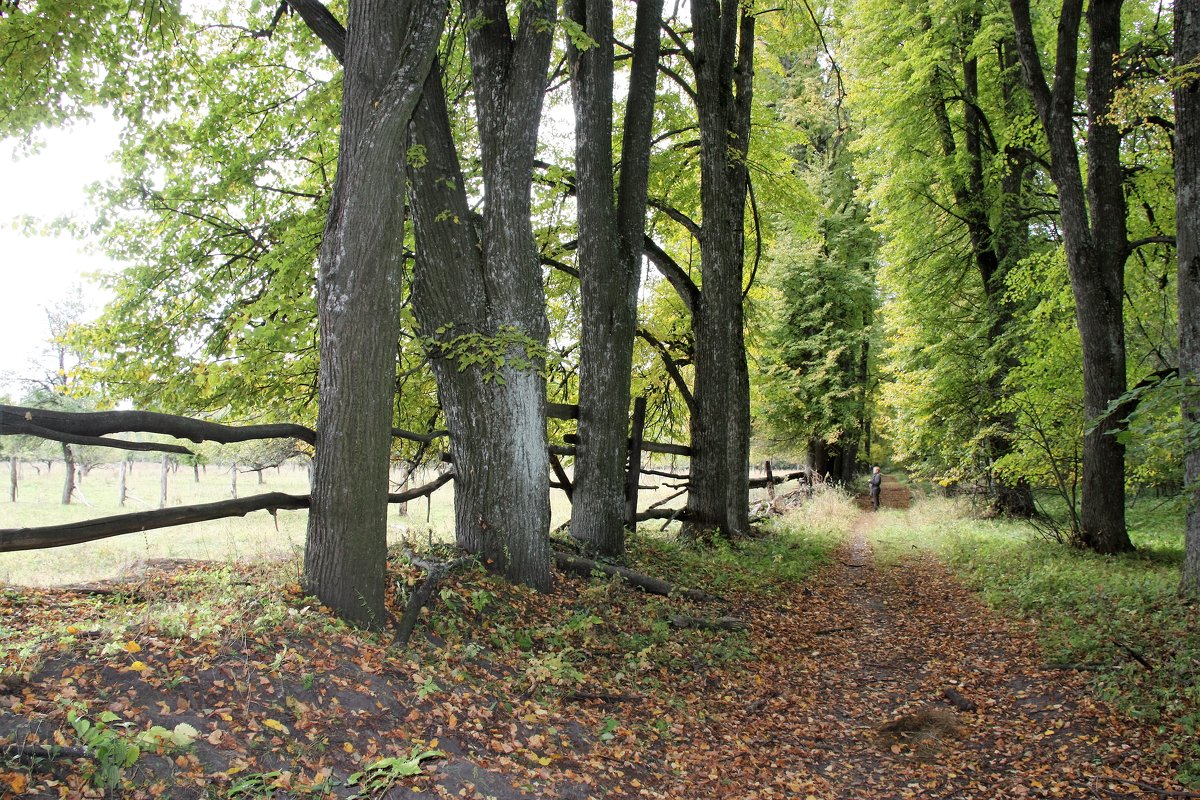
{"points": [[580, 694], [863, 646]]}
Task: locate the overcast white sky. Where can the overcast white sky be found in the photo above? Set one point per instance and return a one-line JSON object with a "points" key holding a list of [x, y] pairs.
{"points": [[37, 272]]}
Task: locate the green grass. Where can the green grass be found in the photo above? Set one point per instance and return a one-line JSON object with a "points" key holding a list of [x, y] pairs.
{"points": [[1091, 610], [254, 537]]}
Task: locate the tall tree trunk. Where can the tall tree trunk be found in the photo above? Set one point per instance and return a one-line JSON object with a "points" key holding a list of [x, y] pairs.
{"points": [[12, 479], [609, 258], [162, 482], [1095, 240], [478, 286], [724, 51], [1187, 239], [388, 50], [69, 478]]}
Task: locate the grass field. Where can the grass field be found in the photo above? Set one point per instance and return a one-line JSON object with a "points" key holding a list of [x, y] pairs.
{"points": [[248, 538]]}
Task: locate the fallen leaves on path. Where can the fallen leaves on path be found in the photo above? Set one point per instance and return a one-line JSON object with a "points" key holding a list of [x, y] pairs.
{"points": [[838, 690]]}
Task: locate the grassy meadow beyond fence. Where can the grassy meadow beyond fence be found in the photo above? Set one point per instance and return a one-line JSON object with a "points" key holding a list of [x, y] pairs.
{"points": [[255, 536]]}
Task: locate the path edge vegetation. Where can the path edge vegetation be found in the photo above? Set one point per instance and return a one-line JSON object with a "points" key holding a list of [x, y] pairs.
{"points": [[1117, 617], [601, 638]]}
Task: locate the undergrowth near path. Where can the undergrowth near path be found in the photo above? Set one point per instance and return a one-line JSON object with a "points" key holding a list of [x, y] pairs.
{"points": [[225, 681], [1116, 617], [205, 681]]}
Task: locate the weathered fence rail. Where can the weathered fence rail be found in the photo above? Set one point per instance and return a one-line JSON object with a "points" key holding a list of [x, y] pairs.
{"points": [[97, 429]]}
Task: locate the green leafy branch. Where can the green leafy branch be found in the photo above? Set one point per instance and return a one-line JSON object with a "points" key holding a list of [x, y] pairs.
{"points": [[509, 348]]}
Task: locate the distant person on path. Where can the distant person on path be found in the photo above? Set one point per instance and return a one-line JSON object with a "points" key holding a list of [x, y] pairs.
{"points": [[876, 486]]}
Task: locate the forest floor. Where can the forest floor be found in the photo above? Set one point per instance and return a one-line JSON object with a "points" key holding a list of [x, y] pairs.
{"points": [[864, 680]]}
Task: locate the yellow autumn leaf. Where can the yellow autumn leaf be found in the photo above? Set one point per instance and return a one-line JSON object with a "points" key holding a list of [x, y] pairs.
{"points": [[72, 629], [275, 725], [16, 781], [139, 666], [132, 647]]}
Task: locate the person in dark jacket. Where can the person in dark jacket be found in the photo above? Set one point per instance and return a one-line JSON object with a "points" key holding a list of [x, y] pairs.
{"points": [[876, 487]]}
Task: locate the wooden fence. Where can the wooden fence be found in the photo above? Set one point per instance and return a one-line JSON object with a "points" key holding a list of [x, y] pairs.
{"points": [[96, 429]]}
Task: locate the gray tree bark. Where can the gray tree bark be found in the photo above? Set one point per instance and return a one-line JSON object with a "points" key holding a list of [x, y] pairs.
{"points": [[723, 61], [1095, 240], [609, 258], [1187, 239], [389, 47], [479, 280]]}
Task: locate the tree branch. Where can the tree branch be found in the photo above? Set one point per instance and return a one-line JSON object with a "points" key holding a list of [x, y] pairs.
{"points": [[672, 368], [100, 423], [688, 292], [14, 539]]}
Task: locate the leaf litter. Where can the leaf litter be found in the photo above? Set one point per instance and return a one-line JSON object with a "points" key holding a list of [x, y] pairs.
{"points": [[848, 684]]}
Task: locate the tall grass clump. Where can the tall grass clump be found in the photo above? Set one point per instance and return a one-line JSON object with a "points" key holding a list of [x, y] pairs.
{"points": [[780, 554], [1118, 617]]}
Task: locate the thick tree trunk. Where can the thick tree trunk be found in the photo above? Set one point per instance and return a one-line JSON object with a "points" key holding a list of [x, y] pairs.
{"points": [[478, 286], [1187, 239], [1095, 240], [501, 501], [719, 496], [69, 478], [609, 259], [388, 51]]}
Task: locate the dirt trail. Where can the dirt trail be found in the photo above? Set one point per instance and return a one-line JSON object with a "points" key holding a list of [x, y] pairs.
{"points": [[865, 645]]}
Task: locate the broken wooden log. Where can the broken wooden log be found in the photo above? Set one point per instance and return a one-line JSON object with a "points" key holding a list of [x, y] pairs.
{"points": [[603, 697], [586, 566], [683, 621], [434, 572], [663, 513], [958, 699]]}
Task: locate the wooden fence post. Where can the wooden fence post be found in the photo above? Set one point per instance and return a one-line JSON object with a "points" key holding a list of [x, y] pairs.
{"points": [[122, 491], [634, 474], [770, 482], [162, 483]]}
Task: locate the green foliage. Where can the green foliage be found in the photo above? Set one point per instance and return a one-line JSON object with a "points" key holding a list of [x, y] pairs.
{"points": [[820, 290], [380, 776], [109, 744], [60, 62], [218, 215], [509, 347]]}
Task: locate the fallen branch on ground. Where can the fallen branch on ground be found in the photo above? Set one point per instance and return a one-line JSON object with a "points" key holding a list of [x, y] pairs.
{"points": [[700, 623], [586, 566], [1148, 787], [604, 697], [33, 752], [434, 572]]}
